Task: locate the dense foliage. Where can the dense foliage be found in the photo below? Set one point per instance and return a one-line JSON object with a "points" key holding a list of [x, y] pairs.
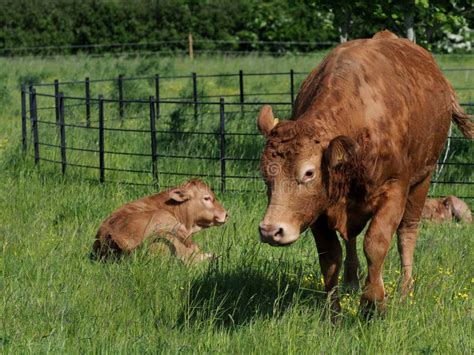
{"points": [[226, 24]]}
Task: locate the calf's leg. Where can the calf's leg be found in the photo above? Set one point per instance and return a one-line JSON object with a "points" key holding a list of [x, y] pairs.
{"points": [[407, 231]]}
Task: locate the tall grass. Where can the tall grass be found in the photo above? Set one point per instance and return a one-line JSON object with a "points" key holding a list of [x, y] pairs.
{"points": [[253, 299]]}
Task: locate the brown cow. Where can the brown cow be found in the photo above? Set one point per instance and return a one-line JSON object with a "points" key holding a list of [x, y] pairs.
{"points": [[170, 217], [367, 129], [444, 209]]}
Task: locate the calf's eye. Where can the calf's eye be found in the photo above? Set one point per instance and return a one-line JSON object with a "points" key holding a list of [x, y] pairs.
{"points": [[207, 198]]}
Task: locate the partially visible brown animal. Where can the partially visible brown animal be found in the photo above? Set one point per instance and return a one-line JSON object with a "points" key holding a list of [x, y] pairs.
{"points": [[367, 129], [168, 219], [445, 209]]}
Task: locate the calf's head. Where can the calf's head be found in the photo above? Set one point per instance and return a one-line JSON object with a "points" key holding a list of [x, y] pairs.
{"points": [[298, 165], [197, 204]]}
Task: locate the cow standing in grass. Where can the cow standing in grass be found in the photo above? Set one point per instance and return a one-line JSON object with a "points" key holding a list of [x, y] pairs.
{"points": [[367, 129], [168, 219]]}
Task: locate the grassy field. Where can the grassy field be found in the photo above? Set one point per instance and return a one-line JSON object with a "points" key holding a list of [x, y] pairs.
{"points": [[254, 299]]}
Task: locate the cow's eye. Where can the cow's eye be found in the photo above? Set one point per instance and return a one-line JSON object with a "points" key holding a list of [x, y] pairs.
{"points": [[207, 198], [308, 175]]}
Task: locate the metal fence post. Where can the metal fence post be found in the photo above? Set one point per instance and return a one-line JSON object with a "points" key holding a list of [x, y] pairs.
{"points": [[222, 143], [23, 118], [88, 101], [62, 132], [241, 85], [195, 94], [292, 87], [120, 88], [101, 138], [154, 166], [56, 99], [30, 100], [34, 124], [157, 94]]}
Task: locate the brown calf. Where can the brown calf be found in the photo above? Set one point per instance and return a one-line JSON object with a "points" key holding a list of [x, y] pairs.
{"points": [[444, 209], [171, 217]]}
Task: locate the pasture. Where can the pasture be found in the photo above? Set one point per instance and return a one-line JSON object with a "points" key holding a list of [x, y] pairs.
{"points": [[254, 299]]}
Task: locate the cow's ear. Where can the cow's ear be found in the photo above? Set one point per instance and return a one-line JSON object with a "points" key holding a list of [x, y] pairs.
{"points": [[446, 202], [179, 195], [340, 150], [266, 121]]}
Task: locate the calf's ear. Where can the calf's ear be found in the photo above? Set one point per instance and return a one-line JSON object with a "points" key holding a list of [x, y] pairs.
{"points": [[340, 150], [179, 195], [266, 121]]}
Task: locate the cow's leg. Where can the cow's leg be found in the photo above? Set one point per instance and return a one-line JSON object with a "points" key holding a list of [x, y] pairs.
{"points": [[330, 259], [377, 242], [408, 231], [189, 253], [350, 279]]}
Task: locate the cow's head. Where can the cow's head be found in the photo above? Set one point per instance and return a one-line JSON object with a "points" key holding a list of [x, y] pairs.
{"points": [[198, 204], [297, 166]]}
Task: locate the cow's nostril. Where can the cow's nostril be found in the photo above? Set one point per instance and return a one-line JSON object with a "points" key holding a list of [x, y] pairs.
{"points": [[279, 232], [270, 231]]}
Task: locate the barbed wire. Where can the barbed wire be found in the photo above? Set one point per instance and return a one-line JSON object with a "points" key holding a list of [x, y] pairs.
{"points": [[181, 45]]}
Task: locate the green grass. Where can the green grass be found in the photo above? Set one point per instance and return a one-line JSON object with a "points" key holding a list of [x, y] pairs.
{"points": [[255, 299]]}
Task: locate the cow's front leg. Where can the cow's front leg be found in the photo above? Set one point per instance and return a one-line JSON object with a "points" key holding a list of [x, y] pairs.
{"points": [[376, 244], [330, 259]]}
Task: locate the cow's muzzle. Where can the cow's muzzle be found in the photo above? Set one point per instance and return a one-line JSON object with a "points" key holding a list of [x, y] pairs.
{"points": [[277, 234]]}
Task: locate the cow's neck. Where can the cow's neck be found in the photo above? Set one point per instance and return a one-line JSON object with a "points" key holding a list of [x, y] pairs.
{"points": [[349, 189], [343, 215]]}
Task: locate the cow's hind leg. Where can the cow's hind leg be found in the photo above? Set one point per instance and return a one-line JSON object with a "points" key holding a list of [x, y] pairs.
{"points": [[350, 279], [330, 259], [408, 231]]}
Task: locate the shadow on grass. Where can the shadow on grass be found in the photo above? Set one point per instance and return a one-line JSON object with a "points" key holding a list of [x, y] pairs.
{"points": [[232, 298]]}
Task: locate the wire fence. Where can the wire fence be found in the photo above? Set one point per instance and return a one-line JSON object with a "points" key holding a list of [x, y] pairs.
{"points": [[174, 47], [184, 47], [162, 139]]}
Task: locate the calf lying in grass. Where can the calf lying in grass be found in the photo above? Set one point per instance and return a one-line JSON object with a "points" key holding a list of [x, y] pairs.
{"points": [[445, 209], [166, 220]]}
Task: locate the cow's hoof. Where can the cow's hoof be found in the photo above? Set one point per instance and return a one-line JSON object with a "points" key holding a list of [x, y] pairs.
{"points": [[350, 281], [204, 257], [370, 309], [209, 256], [406, 288], [333, 310], [350, 286]]}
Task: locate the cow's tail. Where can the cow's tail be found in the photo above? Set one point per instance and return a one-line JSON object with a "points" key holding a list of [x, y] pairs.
{"points": [[462, 120]]}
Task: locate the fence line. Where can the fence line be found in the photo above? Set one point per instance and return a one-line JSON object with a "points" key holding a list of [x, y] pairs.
{"points": [[154, 105], [194, 76], [181, 46]]}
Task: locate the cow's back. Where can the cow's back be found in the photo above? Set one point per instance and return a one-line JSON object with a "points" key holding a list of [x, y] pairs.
{"points": [[389, 88]]}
